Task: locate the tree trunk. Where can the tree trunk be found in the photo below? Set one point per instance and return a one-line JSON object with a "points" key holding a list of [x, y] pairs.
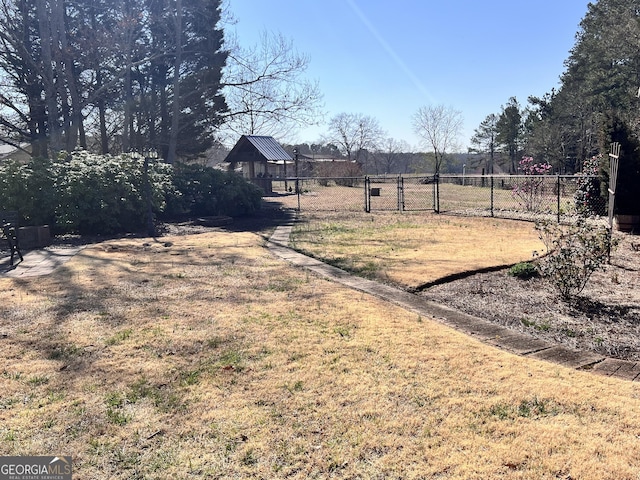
{"points": [[57, 51], [104, 139], [164, 121], [46, 40], [102, 116], [74, 113], [175, 114], [126, 130]]}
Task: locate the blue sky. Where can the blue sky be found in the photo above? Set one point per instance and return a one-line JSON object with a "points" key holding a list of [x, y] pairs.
{"points": [[386, 59]]}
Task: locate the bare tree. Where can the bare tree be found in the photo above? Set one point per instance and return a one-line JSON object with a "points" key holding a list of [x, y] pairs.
{"points": [[355, 134], [266, 91], [439, 128], [389, 154]]}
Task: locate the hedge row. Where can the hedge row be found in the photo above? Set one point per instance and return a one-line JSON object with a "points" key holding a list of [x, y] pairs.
{"points": [[103, 194]]}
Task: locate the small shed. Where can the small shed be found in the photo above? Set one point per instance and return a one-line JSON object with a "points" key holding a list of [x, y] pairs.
{"points": [[262, 159]]}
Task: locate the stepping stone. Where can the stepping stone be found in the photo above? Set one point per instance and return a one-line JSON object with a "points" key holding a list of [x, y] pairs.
{"points": [[613, 367], [567, 357]]}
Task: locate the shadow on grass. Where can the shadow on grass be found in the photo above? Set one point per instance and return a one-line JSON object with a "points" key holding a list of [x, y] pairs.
{"points": [[272, 214], [265, 221], [106, 291], [102, 297]]}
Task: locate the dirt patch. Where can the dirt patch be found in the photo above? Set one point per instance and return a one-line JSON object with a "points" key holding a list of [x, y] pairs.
{"points": [[605, 318]]}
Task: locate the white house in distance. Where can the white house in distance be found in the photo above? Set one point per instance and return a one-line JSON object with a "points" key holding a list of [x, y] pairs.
{"points": [[262, 159]]}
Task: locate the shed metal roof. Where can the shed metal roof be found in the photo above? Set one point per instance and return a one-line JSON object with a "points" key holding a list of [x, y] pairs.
{"points": [[268, 147], [252, 148]]}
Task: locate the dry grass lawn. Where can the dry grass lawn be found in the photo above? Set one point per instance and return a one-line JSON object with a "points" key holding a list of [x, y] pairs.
{"points": [[414, 248], [206, 357]]}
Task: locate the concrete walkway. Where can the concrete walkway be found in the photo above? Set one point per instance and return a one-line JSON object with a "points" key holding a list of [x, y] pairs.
{"points": [[487, 332], [37, 262]]}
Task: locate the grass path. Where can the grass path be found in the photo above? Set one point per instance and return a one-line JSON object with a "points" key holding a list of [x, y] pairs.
{"points": [[205, 357]]}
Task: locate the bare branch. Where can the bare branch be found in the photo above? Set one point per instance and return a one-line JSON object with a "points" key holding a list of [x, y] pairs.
{"points": [[266, 91], [439, 128], [355, 133]]}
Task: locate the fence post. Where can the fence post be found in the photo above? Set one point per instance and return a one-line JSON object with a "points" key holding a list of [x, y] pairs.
{"points": [[614, 158], [558, 188], [492, 193], [367, 194], [436, 193], [298, 191], [400, 193]]}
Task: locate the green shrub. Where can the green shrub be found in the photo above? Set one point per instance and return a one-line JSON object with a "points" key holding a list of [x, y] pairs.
{"points": [[30, 190], [588, 195], [524, 270], [87, 193], [204, 191], [106, 194], [83, 192]]}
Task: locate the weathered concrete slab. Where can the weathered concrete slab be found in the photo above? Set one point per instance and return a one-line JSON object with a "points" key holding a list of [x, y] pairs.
{"points": [[608, 367], [520, 343], [614, 367], [628, 371], [38, 262], [281, 235], [486, 331], [567, 357]]}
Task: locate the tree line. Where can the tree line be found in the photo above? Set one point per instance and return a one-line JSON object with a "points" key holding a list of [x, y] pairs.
{"points": [[116, 76], [129, 74], [596, 103]]}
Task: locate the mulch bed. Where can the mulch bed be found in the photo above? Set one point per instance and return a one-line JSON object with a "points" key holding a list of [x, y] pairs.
{"points": [[605, 318]]}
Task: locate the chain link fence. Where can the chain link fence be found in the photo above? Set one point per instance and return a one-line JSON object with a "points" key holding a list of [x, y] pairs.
{"points": [[528, 197]]}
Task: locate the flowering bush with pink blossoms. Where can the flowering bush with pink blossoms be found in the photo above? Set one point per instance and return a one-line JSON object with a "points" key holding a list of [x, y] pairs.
{"points": [[529, 189]]}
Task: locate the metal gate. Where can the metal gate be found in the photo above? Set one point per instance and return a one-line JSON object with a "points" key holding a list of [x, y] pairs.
{"points": [[400, 193]]}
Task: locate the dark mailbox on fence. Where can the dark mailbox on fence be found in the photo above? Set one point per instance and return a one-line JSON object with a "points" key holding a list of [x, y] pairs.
{"points": [[375, 192]]}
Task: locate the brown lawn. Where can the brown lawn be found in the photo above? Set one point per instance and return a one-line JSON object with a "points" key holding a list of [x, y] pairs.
{"points": [[413, 249], [206, 357]]}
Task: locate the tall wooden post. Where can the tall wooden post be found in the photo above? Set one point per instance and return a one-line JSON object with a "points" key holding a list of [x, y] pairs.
{"points": [[614, 157]]}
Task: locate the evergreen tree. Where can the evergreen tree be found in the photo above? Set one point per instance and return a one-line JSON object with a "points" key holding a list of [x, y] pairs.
{"points": [[600, 81], [141, 73], [485, 138], [509, 129]]}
